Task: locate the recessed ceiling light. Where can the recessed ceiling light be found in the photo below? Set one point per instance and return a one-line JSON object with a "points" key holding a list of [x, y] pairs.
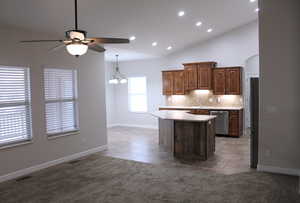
{"points": [[199, 23], [154, 44], [252, 1], [181, 13], [169, 48], [256, 10], [132, 38], [210, 30]]}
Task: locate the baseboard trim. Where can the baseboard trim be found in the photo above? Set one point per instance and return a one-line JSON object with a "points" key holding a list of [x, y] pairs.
{"points": [[274, 169], [32, 169], [134, 126]]}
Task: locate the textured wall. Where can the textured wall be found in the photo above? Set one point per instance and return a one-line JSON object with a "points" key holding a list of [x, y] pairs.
{"points": [[279, 33]]}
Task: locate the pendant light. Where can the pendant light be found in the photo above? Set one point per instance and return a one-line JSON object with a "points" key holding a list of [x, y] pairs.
{"points": [[118, 77]]}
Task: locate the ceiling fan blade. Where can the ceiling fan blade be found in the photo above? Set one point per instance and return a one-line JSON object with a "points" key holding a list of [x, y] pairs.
{"points": [[109, 40], [30, 41], [56, 47], [96, 47]]}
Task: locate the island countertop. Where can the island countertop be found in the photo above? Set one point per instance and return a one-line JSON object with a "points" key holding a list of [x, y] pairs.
{"points": [[182, 116]]}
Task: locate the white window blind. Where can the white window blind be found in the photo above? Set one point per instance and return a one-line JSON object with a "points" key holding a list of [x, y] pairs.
{"points": [[61, 100], [137, 94], [15, 109]]}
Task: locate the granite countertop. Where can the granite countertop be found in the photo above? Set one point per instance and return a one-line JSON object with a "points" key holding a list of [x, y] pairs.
{"points": [[202, 107], [182, 116]]}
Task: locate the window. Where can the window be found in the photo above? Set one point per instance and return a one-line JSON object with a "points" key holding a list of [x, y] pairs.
{"points": [[15, 109], [137, 94], [61, 100]]}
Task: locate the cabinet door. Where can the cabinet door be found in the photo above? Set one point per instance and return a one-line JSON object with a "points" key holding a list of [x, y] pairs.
{"points": [[178, 82], [168, 81], [234, 123], [204, 78], [191, 78], [233, 81], [219, 81]]}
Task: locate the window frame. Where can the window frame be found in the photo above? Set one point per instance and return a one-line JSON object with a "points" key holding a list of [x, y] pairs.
{"points": [[137, 94], [61, 101], [28, 109]]}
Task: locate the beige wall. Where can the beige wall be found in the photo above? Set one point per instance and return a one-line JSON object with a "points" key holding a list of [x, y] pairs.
{"points": [[91, 92], [279, 142]]}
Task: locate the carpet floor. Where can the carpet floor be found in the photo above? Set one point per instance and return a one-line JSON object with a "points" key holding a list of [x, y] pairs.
{"points": [[104, 179]]}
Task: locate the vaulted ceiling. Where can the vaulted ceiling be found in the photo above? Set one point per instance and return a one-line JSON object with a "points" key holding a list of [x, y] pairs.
{"points": [[147, 20]]}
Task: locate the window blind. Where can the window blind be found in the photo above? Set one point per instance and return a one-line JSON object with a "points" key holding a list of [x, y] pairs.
{"points": [[137, 94], [60, 100], [15, 109]]}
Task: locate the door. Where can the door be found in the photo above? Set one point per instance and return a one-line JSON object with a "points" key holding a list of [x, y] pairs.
{"points": [[254, 109], [191, 77], [233, 81], [219, 81], [204, 78], [178, 82], [168, 81]]}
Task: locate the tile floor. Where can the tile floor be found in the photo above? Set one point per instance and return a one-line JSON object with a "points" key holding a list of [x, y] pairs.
{"points": [[232, 154]]}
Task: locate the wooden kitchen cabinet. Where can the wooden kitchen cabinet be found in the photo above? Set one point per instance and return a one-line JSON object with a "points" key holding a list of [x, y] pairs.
{"points": [[219, 86], [191, 76], [227, 81], [173, 82], [178, 82], [236, 123], [233, 81], [168, 82], [199, 75]]}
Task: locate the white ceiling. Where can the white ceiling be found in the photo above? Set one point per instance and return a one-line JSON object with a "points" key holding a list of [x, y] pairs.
{"points": [[148, 20]]}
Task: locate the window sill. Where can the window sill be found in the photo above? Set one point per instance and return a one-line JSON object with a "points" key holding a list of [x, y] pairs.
{"points": [[15, 144], [65, 134]]}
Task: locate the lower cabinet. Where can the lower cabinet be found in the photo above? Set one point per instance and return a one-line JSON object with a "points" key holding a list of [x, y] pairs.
{"points": [[236, 123]]}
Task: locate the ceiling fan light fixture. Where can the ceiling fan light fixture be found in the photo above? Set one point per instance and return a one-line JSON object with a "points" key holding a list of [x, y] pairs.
{"points": [[77, 49]]}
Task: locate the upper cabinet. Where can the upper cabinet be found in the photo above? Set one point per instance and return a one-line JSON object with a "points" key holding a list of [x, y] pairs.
{"points": [[203, 76], [199, 75], [168, 81], [173, 82], [227, 81], [233, 81], [178, 82], [219, 75], [191, 78]]}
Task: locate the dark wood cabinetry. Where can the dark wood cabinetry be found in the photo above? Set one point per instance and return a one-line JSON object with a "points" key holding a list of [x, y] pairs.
{"points": [[191, 78], [199, 75], [203, 76], [173, 82], [168, 81], [236, 123], [227, 81], [178, 82], [233, 81], [219, 81]]}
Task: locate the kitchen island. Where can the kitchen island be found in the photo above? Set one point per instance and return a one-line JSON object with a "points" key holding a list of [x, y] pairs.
{"points": [[187, 136]]}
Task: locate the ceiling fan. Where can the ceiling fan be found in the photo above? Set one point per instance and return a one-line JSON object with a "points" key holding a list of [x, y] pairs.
{"points": [[77, 43]]}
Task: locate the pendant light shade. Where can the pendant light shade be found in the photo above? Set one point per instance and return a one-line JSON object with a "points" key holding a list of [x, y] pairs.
{"points": [[77, 49], [118, 77]]}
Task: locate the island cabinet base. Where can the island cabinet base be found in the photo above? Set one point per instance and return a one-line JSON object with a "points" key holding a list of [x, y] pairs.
{"points": [[188, 140]]}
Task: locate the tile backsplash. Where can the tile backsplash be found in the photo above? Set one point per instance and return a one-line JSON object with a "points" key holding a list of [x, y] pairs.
{"points": [[204, 98]]}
